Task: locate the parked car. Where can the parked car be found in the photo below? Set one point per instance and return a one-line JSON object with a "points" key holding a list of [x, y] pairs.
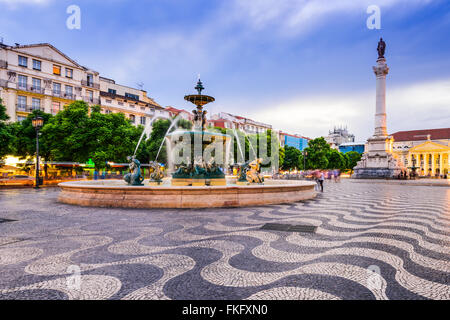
{"points": [[18, 180]]}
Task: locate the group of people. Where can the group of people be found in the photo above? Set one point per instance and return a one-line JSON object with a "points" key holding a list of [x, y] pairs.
{"points": [[317, 175], [321, 175]]}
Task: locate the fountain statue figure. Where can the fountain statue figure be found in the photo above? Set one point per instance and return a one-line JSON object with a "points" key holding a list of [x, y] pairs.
{"points": [[134, 178], [251, 172], [157, 175]]}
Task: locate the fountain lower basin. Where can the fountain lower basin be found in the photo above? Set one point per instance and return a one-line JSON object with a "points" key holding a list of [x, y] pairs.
{"points": [[115, 193]]}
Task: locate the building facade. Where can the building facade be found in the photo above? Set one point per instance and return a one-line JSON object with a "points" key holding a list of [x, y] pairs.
{"points": [[338, 136], [40, 77], [428, 150], [183, 114], [293, 140], [352, 146], [230, 121], [133, 103]]}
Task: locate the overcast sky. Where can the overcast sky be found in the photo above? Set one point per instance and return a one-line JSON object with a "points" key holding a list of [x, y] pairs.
{"points": [[303, 66]]}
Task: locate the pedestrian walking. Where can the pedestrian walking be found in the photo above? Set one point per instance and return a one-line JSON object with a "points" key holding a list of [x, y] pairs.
{"points": [[320, 180]]}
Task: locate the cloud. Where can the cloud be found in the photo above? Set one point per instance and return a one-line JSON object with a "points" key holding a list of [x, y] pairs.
{"points": [[418, 106], [293, 17], [14, 4]]}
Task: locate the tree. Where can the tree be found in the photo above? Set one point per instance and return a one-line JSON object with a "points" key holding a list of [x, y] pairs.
{"points": [[75, 135], [336, 160], [318, 150], [291, 158], [6, 135], [352, 159], [68, 133]]}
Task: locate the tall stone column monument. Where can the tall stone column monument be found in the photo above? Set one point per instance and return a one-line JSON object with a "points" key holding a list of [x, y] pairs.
{"points": [[378, 160]]}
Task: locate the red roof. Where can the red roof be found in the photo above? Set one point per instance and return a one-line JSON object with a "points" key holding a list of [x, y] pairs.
{"points": [[175, 110], [418, 135]]}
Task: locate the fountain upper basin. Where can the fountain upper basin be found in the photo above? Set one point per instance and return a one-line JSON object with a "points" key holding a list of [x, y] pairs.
{"points": [[115, 193]]}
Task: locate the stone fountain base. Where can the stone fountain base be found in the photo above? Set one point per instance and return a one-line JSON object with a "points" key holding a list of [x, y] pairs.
{"points": [[114, 193]]}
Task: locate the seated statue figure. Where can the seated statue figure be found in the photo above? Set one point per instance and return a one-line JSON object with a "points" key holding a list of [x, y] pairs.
{"points": [[157, 175], [254, 173], [134, 178]]}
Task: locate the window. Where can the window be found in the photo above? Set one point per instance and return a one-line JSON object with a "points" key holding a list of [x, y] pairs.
{"points": [[132, 118], [55, 107], [90, 79], [36, 84], [108, 111], [21, 102], [23, 61], [21, 118], [56, 88], [108, 101], [23, 82], [143, 108], [132, 106], [120, 103], [36, 65], [112, 91], [57, 70], [69, 91], [90, 94], [36, 104], [131, 96], [69, 73], [143, 120]]}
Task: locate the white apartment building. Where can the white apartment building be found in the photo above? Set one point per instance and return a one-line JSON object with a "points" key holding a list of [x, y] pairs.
{"points": [[230, 121], [134, 103], [39, 76]]}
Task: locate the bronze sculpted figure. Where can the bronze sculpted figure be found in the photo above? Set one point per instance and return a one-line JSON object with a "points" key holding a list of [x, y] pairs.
{"points": [[134, 178], [381, 48], [251, 172], [157, 175]]}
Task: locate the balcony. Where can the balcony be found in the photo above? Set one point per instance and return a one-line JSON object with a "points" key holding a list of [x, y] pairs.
{"points": [[69, 96], [57, 94], [26, 108], [92, 100], [3, 64], [30, 88], [90, 84]]}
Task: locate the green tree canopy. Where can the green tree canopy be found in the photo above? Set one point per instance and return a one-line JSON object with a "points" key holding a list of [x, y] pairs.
{"points": [[317, 154], [336, 160], [6, 132], [352, 159], [291, 158], [76, 135]]}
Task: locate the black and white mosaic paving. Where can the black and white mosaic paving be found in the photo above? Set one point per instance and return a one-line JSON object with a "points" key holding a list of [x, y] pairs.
{"points": [[373, 241]]}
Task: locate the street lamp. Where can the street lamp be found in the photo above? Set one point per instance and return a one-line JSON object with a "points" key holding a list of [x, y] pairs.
{"points": [[305, 153], [38, 123]]}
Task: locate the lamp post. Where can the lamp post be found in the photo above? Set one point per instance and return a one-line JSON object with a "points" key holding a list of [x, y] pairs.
{"points": [[305, 153], [37, 123]]}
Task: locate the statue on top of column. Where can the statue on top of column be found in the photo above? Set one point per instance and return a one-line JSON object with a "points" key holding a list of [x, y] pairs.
{"points": [[381, 48]]}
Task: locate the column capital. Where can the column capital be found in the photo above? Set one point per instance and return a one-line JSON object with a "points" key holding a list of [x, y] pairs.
{"points": [[381, 69]]}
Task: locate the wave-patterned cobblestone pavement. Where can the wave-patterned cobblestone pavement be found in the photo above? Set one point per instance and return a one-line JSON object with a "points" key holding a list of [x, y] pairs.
{"points": [[373, 241]]}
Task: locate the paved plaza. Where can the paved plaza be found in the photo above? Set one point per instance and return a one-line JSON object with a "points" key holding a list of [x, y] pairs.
{"points": [[373, 241]]}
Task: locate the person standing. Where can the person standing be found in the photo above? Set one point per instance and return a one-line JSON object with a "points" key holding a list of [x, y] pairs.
{"points": [[321, 179]]}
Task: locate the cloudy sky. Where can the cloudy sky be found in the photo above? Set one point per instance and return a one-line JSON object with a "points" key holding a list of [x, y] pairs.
{"points": [[303, 66]]}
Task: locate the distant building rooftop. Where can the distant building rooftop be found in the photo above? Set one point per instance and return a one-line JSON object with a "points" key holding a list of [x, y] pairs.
{"points": [[418, 135]]}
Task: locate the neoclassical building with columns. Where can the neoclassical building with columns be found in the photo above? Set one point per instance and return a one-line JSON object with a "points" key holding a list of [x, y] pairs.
{"points": [[428, 150]]}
